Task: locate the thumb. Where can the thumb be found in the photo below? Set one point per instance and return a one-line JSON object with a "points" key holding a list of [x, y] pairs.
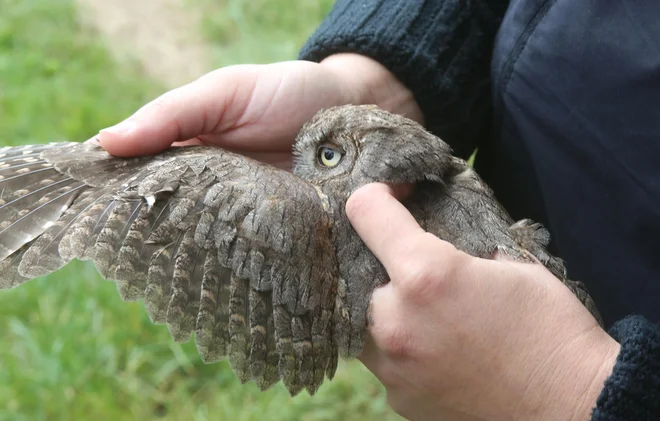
{"points": [[384, 224], [181, 114]]}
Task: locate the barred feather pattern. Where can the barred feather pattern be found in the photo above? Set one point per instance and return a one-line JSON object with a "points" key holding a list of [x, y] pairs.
{"points": [[195, 233]]}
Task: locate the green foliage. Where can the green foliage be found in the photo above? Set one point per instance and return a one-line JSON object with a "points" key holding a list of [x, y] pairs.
{"points": [[70, 349], [259, 31], [56, 81]]}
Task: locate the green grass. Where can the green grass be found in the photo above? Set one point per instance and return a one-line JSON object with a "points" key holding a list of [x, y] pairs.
{"points": [[56, 80], [70, 349], [259, 31]]}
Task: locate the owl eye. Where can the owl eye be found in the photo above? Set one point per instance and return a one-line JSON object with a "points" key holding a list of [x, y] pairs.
{"points": [[329, 157]]}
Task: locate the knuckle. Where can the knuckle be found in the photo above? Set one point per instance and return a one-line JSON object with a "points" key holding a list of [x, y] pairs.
{"points": [[395, 339], [167, 101], [161, 106], [444, 248], [167, 110], [421, 281], [417, 276], [425, 275]]}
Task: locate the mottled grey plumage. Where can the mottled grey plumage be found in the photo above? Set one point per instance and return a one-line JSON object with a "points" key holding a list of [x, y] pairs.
{"points": [[262, 264]]}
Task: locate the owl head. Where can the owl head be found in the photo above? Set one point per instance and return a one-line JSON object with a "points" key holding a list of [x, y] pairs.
{"points": [[343, 148]]}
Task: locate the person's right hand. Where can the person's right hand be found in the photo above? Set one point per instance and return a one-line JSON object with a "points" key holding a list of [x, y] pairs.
{"points": [[256, 109]]}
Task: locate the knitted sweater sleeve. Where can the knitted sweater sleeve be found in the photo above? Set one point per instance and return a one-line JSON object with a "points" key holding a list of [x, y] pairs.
{"points": [[440, 49], [632, 392]]}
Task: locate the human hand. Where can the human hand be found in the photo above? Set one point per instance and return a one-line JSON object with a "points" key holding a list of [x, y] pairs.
{"points": [[256, 109], [454, 337]]}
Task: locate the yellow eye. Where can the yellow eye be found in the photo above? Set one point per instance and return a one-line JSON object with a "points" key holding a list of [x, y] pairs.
{"points": [[328, 156]]}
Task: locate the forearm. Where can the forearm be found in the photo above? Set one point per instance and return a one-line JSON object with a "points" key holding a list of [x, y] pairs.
{"points": [[440, 50], [600, 377]]}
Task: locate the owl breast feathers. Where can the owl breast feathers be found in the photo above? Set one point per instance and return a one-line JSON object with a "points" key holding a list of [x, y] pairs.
{"points": [[261, 264]]}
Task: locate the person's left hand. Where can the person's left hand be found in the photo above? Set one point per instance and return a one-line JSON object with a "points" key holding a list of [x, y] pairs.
{"points": [[454, 337]]}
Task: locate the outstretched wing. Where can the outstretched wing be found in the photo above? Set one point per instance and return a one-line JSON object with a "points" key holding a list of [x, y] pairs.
{"points": [[235, 250]]}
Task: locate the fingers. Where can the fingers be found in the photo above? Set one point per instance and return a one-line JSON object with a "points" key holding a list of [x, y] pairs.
{"points": [[384, 305], [181, 114], [259, 108], [384, 224]]}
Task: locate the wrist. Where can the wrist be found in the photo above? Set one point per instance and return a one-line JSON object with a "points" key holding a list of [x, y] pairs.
{"points": [[602, 372], [372, 83], [575, 377]]}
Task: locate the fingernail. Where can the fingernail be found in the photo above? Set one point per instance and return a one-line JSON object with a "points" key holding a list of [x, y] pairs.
{"points": [[122, 128], [92, 140]]}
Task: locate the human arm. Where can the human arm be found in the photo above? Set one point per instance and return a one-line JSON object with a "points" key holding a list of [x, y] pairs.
{"points": [[460, 338]]}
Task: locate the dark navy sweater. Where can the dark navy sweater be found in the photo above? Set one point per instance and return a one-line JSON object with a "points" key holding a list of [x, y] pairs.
{"points": [[561, 98]]}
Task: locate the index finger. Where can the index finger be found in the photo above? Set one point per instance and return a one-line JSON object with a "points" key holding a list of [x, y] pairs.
{"points": [[180, 114]]}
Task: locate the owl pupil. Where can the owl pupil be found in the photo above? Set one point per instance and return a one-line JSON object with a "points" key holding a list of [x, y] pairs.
{"points": [[329, 154]]}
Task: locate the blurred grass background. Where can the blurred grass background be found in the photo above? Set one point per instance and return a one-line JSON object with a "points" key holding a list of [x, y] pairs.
{"points": [[259, 31], [70, 349]]}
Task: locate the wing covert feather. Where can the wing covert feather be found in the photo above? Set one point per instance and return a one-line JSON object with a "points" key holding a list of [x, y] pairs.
{"points": [[238, 251]]}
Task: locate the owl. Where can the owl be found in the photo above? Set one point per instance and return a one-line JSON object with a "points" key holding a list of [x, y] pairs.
{"points": [[261, 264]]}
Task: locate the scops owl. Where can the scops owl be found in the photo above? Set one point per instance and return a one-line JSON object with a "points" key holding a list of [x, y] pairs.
{"points": [[260, 263]]}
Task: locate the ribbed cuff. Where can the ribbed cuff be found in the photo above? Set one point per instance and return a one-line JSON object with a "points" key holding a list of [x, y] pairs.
{"points": [[440, 50], [632, 392]]}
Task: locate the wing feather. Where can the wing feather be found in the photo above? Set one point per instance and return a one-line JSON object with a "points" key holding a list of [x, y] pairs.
{"points": [[258, 349], [214, 242], [212, 332], [239, 314], [132, 266], [183, 306], [106, 249], [159, 275]]}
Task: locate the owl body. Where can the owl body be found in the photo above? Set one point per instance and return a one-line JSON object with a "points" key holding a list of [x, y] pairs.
{"points": [[261, 264]]}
